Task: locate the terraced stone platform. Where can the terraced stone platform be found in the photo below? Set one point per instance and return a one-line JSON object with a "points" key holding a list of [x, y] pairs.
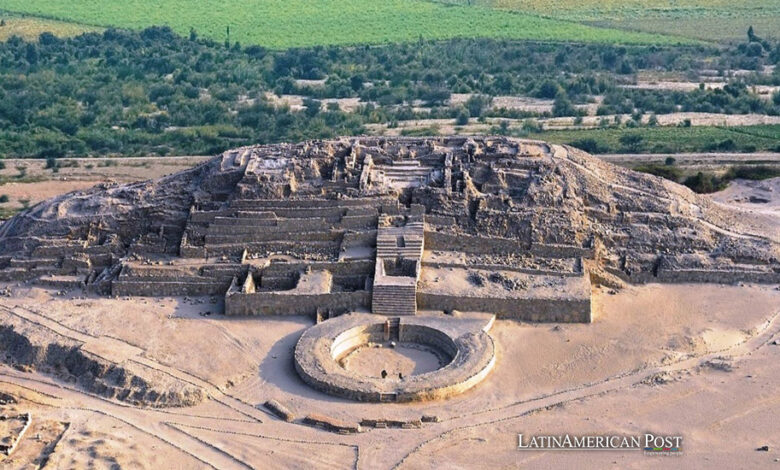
{"points": [[513, 228]]}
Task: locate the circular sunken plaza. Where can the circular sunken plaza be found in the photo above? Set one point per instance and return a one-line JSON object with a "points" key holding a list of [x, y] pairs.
{"points": [[335, 356]]}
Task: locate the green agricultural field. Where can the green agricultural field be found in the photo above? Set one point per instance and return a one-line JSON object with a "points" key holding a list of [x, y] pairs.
{"points": [[700, 19], [719, 29], [674, 139], [292, 23], [30, 28]]}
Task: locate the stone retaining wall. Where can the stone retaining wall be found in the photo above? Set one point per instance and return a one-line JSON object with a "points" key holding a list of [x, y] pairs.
{"points": [[161, 289], [495, 245], [574, 310], [287, 303]]}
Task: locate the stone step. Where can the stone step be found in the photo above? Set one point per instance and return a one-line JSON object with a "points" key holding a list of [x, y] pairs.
{"points": [[406, 291], [393, 306], [394, 303], [393, 312], [395, 249], [385, 308], [409, 301], [406, 298], [394, 290], [393, 243]]}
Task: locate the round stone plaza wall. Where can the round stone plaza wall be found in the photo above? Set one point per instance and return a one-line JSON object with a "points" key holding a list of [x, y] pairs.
{"points": [[468, 355]]}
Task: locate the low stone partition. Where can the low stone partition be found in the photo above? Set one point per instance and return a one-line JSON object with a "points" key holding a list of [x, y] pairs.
{"points": [[279, 410], [331, 424], [382, 423], [470, 354]]}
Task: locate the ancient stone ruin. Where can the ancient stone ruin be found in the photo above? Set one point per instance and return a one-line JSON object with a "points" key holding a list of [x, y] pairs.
{"points": [[513, 228]]}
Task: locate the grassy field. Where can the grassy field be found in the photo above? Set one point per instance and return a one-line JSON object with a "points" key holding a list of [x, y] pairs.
{"points": [[701, 19], [292, 23], [30, 28], [674, 139], [703, 28]]}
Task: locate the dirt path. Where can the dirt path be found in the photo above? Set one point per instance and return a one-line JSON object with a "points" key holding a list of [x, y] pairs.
{"points": [[178, 429], [766, 334], [708, 159]]}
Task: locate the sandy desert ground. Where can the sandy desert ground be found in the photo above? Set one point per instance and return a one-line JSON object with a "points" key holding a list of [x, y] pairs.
{"points": [[700, 361]]}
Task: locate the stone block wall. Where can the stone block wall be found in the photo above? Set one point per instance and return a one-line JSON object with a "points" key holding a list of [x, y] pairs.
{"points": [[572, 310], [284, 303]]}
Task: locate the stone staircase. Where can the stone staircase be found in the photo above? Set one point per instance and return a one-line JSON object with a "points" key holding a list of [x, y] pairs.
{"points": [[399, 252], [393, 329], [403, 174], [394, 300], [394, 242]]}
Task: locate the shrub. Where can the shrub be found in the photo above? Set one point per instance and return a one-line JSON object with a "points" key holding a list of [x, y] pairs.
{"points": [[757, 172], [477, 103], [532, 125], [3, 198], [563, 107], [589, 145], [462, 118], [705, 183], [653, 120], [671, 173]]}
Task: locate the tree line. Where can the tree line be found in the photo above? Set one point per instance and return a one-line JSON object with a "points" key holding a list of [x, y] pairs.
{"points": [[154, 92]]}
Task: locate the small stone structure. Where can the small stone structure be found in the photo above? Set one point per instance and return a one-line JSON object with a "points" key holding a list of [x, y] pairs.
{"points": [[331, 424], [9, 442], [279, 410]]}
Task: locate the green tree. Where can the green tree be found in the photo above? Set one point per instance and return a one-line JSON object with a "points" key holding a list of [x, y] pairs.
{"points": [[462, 117], [563, 106], [549, 89], [476, 104], [312, 106]]}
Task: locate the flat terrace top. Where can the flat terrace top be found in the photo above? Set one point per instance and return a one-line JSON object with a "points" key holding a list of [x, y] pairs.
{"points": [[465, 282]]}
